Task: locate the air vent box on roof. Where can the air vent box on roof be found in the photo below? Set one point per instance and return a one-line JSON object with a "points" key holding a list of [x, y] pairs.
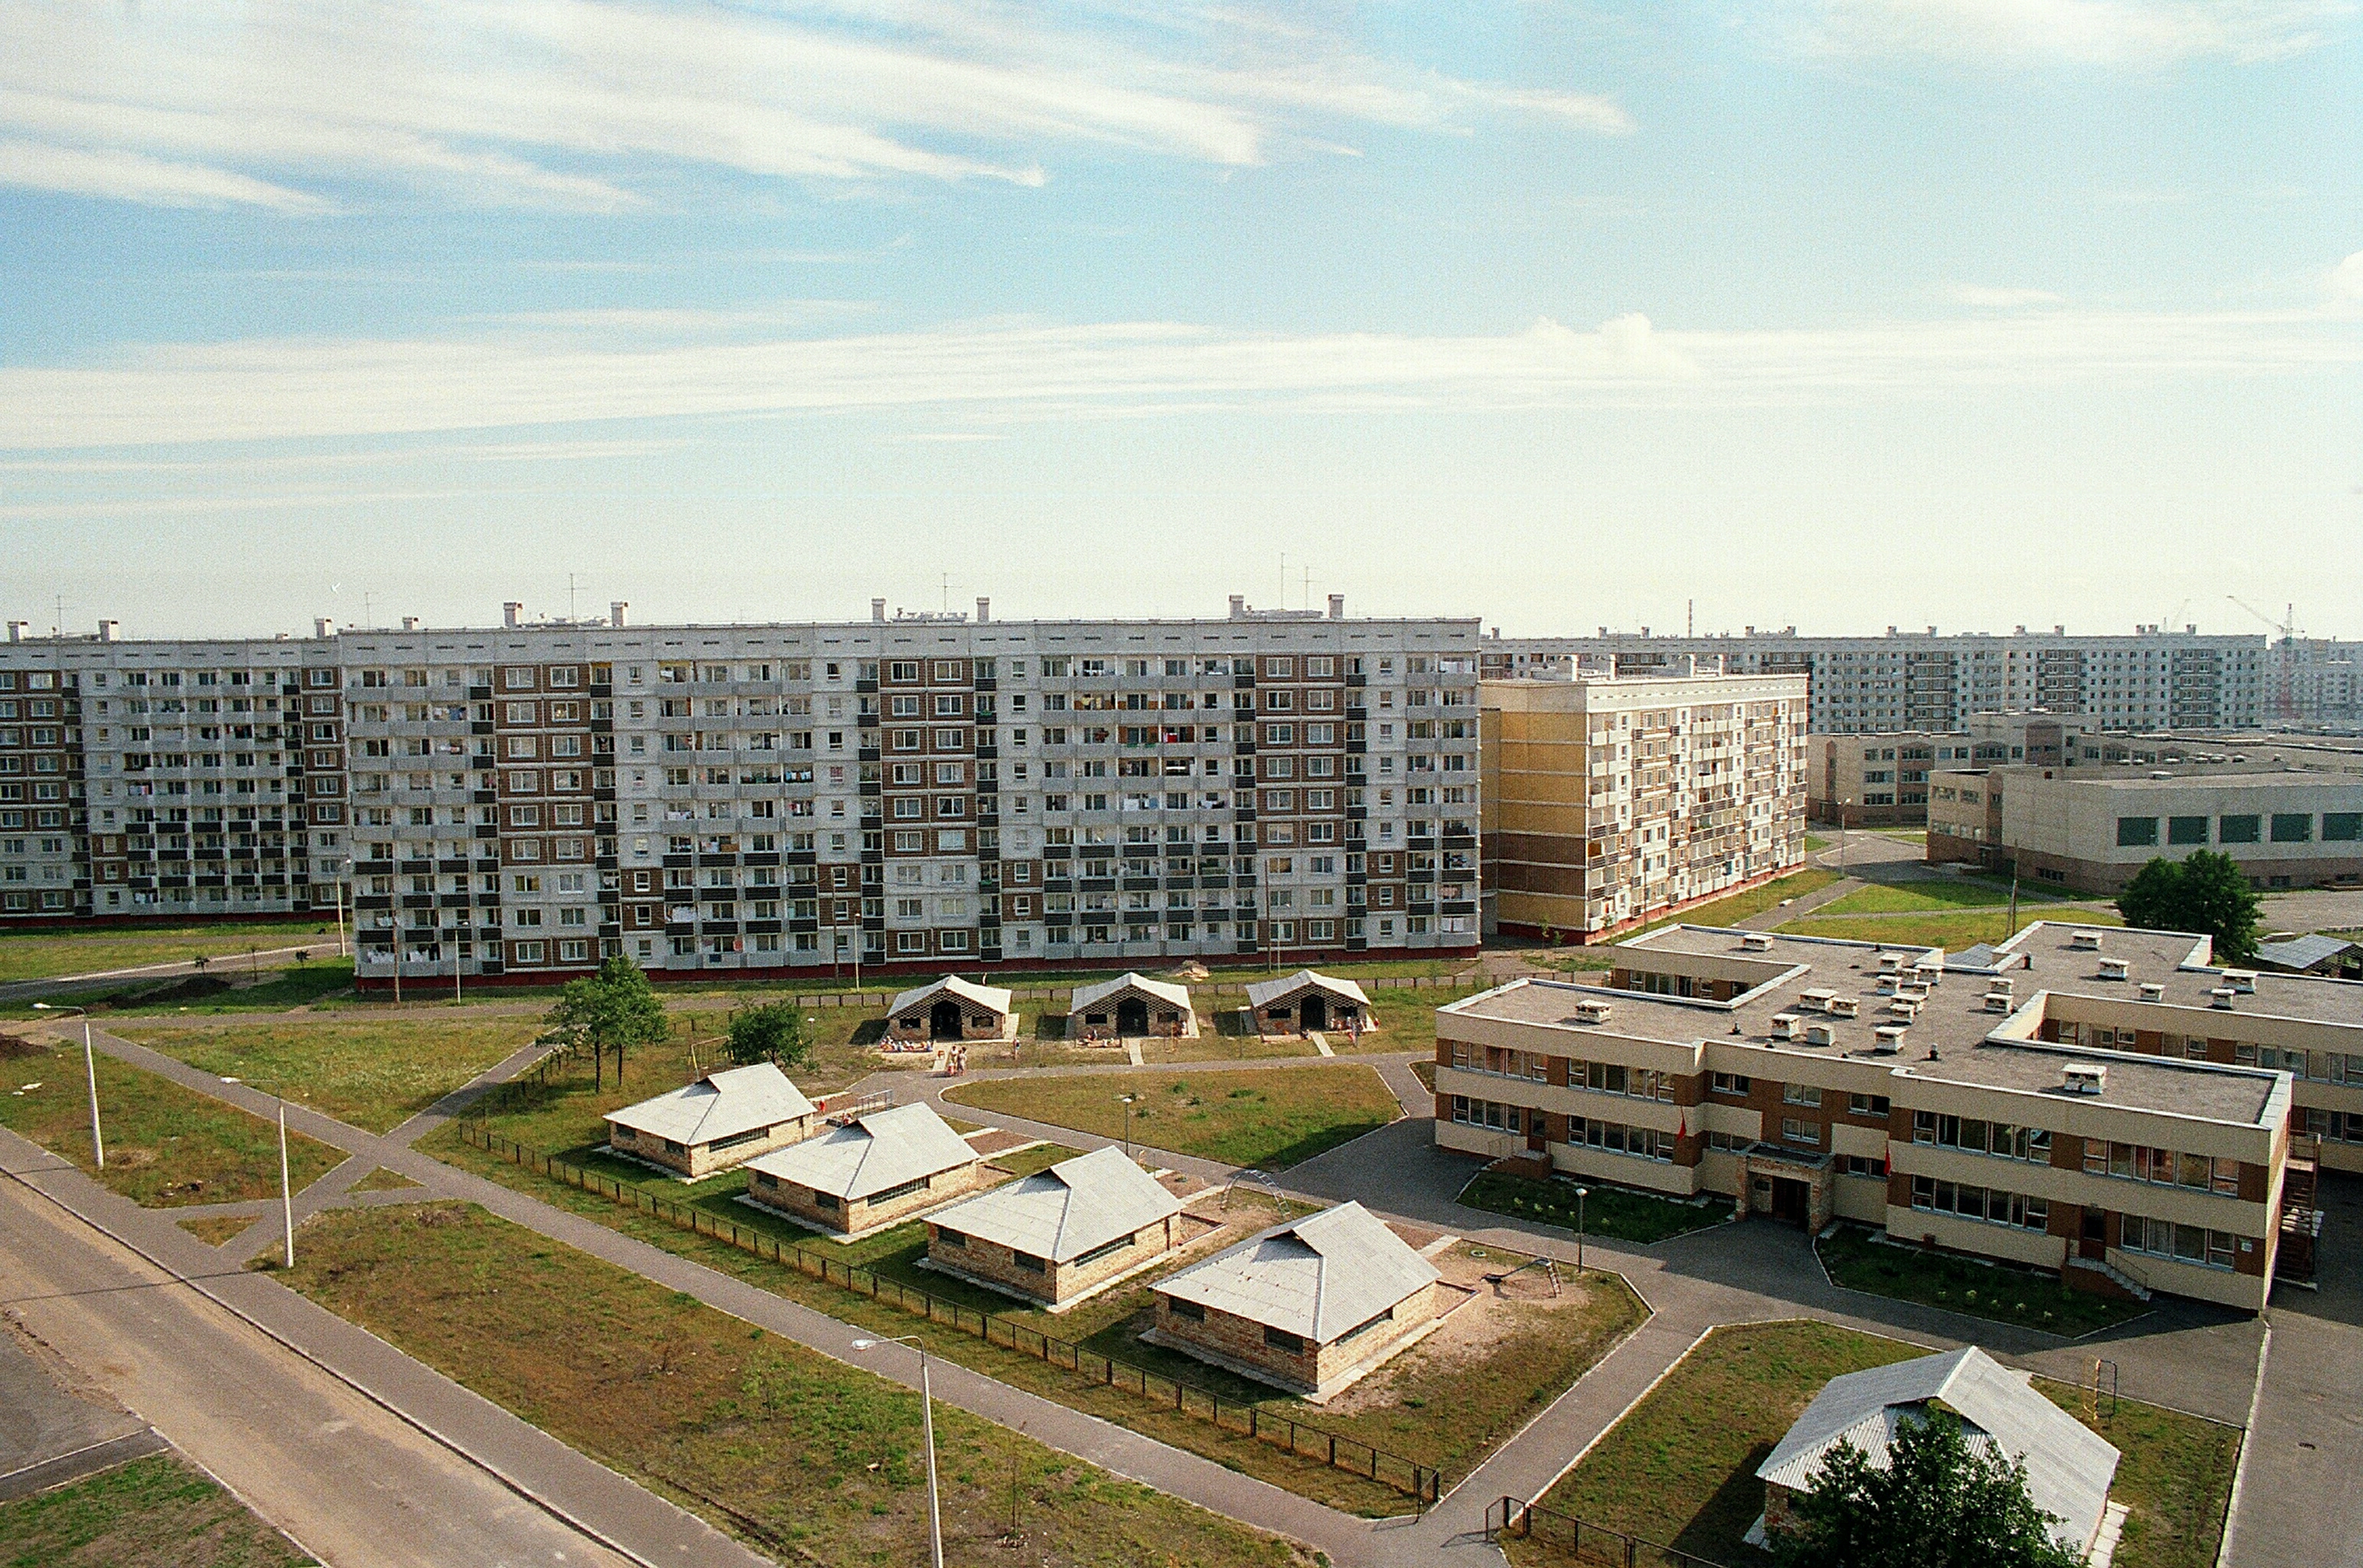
{"points": [[2240, 979], [2084, 1077], [1757, 942], [1819, 1034], [2116, 968], [2151, 991], [2084, 939], [1591, 1010]]}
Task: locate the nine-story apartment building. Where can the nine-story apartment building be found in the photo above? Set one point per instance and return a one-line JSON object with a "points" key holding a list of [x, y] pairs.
{"points": [[923, 791]]}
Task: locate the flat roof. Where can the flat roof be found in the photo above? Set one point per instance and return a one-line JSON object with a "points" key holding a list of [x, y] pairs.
{"points": [[1953, 1021]]}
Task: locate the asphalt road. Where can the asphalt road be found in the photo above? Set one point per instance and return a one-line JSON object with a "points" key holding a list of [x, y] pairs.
{"points": [[356, 1485]]}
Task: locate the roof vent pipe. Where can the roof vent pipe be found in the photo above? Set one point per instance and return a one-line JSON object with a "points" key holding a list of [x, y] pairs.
{"points": [[410, 623]]}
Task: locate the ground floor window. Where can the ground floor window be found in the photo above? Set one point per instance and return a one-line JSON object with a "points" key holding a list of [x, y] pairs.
{"points": [[1489, 1114], [1991, 1205], [1645, 1143], [2184, 1243]]}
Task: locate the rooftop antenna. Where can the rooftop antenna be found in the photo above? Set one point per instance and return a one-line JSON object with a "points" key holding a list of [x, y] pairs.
{"points": [[1308, 588], [569, 595], [60, 629], [1689, 618], [365, 609], [1283, 583]]}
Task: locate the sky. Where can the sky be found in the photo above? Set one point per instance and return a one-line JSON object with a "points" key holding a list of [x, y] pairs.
{"points": [[1833, 313]]}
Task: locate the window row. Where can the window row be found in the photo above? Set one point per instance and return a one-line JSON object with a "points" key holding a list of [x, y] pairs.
{"points": [[1991, 1205]]}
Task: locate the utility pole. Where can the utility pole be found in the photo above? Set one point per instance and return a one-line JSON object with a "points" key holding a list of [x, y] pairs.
{"points": [[90, 1070]]}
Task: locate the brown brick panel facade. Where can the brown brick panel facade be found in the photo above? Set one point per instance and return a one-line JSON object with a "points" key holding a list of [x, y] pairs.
{"points": [[1037, 1278], [1288, 1361], [699, 1160], [853, 1217]]}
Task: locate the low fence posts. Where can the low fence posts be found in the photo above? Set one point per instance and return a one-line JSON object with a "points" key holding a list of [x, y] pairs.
{"points": [[1422, 1483]]}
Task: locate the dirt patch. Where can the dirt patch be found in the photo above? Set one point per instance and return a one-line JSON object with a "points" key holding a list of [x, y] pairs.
{"points": [[1477, 1313], [998, 1141], [12, 1047]]}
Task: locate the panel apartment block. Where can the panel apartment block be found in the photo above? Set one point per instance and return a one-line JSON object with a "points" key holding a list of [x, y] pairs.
{"points": [[1611, 801], [1919, 681], [925, 791]]}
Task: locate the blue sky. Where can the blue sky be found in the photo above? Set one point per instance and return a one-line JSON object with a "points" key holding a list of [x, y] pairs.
{"points": [[1838, 313]]}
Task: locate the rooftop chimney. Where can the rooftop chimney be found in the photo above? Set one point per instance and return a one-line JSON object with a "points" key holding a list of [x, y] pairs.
{"points": [[1239, 605], [615, 608], [511, 613], [1337, 607], [983, 609], [322, 627], [106, 630], [410, 623], [877, 609]]}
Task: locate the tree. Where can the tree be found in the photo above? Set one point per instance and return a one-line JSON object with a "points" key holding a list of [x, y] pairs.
{"points": [[611, 1010], [2205, 894], [773, 1032], [1938, 1503]]}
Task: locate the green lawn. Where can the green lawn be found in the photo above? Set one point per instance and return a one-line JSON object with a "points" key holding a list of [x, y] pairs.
{"points": [[1406, 1021], [1026, 1161], [371, 1072], [1917, 898], [1617, 1213], [2175, 1477], [1998, 1291], [165, 1145], [1262, 1117], [220, 990], [810, 1459], [1679, 1468], [44, 955], [155, 1512], [1755, 901], [1950, 931]]}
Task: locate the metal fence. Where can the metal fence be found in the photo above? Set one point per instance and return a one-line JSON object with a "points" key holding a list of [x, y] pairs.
{"points": [[1571, 1540], [1422, 1483]]}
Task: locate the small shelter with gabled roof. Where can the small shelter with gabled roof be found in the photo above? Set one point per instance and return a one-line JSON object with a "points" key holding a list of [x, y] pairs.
{"points": [[1131, 1005], [1308, 1002], [722, 1119], [952, 1010], [1060, 1234], [2070, 1467], [877, 1170], [1308, 1305]]}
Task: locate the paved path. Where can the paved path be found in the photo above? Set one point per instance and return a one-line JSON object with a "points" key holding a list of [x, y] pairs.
{"points": [[55, 1423], [357, 1485], [225, 966]]}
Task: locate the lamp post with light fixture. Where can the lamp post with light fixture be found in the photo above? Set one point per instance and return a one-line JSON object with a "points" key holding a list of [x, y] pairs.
{"points": [[286, 1191], [1580, 1193], [928, 1421], [90, 1070]]}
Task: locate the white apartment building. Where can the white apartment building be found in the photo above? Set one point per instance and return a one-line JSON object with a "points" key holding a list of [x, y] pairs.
{"points": [[1920, 680], [927, 791]]}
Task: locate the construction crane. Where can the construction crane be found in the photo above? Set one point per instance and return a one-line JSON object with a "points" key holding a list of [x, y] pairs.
{"points": [[2285, 672]]}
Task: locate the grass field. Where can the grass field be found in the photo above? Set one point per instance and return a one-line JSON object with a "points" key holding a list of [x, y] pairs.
{"points": [[1950, 931], [815, 1461], [1997, 1291], [1755, 901], [214, 1229], [1026, 1161], [220, 990], [44, 955], [1269, 1117], [1614, 1212], [1679, 1468], [1406, 1021], [165, 1144], [155, 1512], [371, 1072]]}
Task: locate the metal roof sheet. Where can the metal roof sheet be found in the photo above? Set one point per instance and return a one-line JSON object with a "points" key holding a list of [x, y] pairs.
{"points": [[884, 1148], [1108, 990], [1065, 1211], [993, 998], [1263, 993], [2068, 1466], [720, 1104], [2303, 953], [1317, 1276]]}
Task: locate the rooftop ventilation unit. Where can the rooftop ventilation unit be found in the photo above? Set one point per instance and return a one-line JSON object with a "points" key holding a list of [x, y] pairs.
{"points": [[1888, 1039], [1904, 1008], [2115, 969], [1819, 1034], [1889, 962], [1844, 1007], [1786, 1025], [2001, 983], [2241, 979], [1757, 942], [1818, 999], [1929, 971], [2222, 996], [1998, 1001], [2151, 991], [1591, 1010], [2084, 939], [2084, 1077]]}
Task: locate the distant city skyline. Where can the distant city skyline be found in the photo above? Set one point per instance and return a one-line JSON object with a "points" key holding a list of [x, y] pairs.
{"points": [[1838, 313]]}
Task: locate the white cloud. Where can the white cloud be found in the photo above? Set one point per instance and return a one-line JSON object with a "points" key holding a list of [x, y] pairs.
{"points": [[2345, 281], [599, 104], [1985, 298], [1003, 373], [2134, 33]]}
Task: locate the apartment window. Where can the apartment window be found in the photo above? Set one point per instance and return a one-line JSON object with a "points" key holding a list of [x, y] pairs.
{"points": [[1491, 1114], [1799, 1094], [2293, 828], [2342, 826], [1729, 1084], [1988, 1205], [2183, 1243], [1868, 1105], [2242, 829], [1796, 1129], [2186, 829], [2136, 832]]}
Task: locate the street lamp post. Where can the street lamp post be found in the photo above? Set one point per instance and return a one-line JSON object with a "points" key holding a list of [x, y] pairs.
{"points": [[90, 1071], [286, 1191], [927, 1422], [1580, 1193], [1126, 1100]]}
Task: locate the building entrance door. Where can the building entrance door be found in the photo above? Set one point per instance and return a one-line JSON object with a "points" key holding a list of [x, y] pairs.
{"points": [[1791, 1200], [1132, 1017], [943, 1020], [2092, 1243], [1314, 1013]]}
